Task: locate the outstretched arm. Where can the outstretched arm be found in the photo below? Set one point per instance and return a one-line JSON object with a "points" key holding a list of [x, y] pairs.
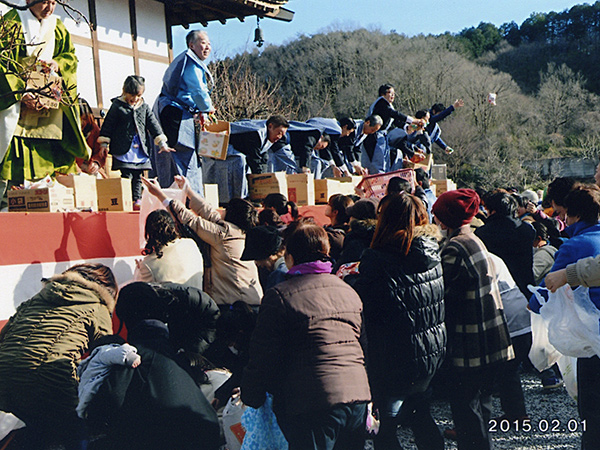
{"points": [[446, 112]]}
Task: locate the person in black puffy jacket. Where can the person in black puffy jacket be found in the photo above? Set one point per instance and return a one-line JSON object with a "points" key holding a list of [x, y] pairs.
{"points": [[508, 237], [190, 313], [157, 405], [402, 289]]}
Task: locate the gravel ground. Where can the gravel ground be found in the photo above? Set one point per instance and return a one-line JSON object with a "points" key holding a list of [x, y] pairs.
{"points": [[553, 415]]}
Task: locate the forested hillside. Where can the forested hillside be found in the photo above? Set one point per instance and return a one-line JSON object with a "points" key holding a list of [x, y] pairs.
{"points": [[541, 71]]}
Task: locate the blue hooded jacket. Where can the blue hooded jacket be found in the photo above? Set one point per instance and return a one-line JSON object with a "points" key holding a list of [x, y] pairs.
{"points": [[584, 241]]}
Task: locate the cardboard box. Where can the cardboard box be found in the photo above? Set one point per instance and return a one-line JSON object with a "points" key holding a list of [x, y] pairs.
{"points": [[354, 179], [108, 168], [439, 172], [376, 185], [261, 185], [84, 189], [425, 164], [214, 141], [301, 188], [347, 188], [347, 184], [325, 188], [211, 194], [442, 186], [114, 194], [48, 199]]}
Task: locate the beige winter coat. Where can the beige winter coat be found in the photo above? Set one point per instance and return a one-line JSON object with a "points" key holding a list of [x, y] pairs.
{"points": [[228, 278], [585, 272]]}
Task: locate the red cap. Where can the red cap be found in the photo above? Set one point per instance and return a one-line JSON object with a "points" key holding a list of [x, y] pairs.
{"points": [[456, 208]]}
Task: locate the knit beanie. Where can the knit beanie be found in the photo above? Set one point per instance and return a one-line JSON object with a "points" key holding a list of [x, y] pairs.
{"points": [[456, 208], [531, 196]]}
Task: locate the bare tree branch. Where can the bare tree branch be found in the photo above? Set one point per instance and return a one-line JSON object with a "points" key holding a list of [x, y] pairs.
{"points": [[39, 91], [70, 11], [23, 7]]}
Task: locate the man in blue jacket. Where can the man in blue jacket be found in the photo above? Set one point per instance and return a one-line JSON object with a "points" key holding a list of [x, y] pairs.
{"points": [[184, 98], [372, 145]]}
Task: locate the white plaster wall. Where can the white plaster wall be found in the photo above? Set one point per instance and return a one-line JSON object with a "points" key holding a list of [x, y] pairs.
{"points": [[22, 281], [114, 68], [151, 28], [113, 22], [86, 85], [153, 73]]}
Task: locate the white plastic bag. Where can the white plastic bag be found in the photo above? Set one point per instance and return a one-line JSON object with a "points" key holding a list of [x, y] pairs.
{"points": [[232, 423], [541, 354], [150, 203], [9, 422], [216, 379], [573, 321], [568, 370]]}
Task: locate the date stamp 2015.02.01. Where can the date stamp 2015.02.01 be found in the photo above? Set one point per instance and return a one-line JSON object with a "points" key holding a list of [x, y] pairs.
{"points": [[539, 426]]}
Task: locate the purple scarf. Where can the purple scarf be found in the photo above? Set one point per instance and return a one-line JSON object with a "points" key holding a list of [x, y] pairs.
{"points": [[311, 267]]}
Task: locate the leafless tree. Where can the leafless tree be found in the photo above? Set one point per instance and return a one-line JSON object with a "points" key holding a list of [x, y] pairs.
{"points": [[241, 95]]}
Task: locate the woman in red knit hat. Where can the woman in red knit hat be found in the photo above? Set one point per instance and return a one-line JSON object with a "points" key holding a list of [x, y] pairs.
{"points": [[478, 337]]}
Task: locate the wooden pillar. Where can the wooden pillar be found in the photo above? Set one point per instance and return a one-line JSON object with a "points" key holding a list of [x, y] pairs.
{"points": [[134, 35], [95, 52], [168, 25]]}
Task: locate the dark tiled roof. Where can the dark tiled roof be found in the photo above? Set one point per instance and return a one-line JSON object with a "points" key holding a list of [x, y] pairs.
{"points": [[186, 12]]}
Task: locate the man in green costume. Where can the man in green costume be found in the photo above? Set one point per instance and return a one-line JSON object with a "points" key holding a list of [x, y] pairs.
{"points": [[35, 140]]}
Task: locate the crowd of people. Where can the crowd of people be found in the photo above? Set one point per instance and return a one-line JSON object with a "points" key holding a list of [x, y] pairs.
{"points": [[393, 298], [376, 311]]}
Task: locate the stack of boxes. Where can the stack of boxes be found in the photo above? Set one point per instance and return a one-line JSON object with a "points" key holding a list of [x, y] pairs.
{"points": [[439, 180], [85, 192], [300, 188]]}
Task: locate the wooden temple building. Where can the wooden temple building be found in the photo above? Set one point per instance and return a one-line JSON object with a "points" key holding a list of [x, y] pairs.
{"points": [[134, 37]]}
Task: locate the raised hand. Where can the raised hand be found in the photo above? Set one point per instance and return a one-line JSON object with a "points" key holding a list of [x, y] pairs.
{"points": [[154, 188]]}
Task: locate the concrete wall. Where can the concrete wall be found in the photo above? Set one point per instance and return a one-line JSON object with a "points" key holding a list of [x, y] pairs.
{"points": [[581, 168]]}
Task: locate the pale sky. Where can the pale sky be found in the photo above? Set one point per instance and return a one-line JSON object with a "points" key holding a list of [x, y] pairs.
{"points": [[316, 16]]}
